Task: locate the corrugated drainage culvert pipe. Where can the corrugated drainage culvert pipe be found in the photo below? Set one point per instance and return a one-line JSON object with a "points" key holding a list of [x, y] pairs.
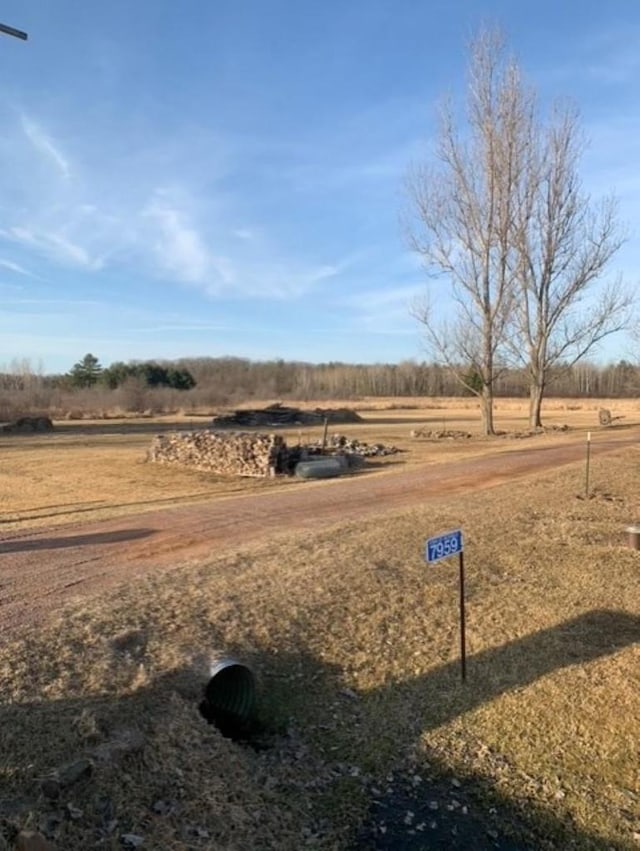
{"points": [[230, 698]]}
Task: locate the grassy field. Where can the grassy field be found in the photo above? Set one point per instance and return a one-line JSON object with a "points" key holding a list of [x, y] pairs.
{"points": [[92, 470], [355, 645]]}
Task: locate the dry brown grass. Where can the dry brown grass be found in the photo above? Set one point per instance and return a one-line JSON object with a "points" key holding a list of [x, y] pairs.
{"points": [[95, 470], [69, 477], [549, 718]]}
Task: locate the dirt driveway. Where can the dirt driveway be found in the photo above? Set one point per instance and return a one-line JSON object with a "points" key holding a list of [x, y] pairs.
{"points": [[40, 572]]}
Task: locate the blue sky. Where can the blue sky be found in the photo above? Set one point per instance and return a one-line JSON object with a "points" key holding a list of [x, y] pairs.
{"points": [[215, 178]]}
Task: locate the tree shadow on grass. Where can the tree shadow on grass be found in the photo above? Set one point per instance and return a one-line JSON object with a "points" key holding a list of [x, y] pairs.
{"points": [[20, 545], [396, 715], [25, 514], [297, 688], [438, 696]]}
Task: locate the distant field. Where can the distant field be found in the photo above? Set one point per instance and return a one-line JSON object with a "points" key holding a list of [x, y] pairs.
{"points": [[90, 470]]}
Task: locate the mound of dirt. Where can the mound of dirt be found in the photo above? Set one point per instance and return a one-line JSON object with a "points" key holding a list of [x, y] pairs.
{"points": [[280, 415], [27, 425]]}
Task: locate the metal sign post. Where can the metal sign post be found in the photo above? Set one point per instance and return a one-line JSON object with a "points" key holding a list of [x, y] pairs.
{"points": [[463, 640], [437, 549]]}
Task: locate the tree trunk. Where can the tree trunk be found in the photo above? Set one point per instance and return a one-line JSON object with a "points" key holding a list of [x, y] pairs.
{"points": [[536, 392], [486, 410]]}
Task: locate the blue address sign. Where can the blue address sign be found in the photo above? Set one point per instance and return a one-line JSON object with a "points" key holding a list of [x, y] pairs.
{"points": [[444, 546]]}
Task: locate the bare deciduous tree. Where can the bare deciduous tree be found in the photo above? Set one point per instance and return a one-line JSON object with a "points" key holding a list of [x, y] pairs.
{"points": [[502, 216], [463, 215], [564, 244]]}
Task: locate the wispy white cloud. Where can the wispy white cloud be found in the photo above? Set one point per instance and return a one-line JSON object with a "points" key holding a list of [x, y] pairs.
{"points": [[59, 302], [348, 169], [183, 252], [602, 59], [611, 56], [368, 153], [15, 267], [389, 297], [386, 310], [179, 247], [188, 326], [54, 245], [244, 233], [611, 166], [275, 279], [324, 273], [619, 68], [44, 144], [172, 230]]}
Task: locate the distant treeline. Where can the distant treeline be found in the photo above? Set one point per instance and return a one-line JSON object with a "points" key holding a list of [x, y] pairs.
{"points": [[230, 379], [235, 378]]}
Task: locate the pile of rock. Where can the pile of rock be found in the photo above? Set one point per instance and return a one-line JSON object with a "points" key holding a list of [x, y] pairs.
{"points": [[440, 434], [232, 453], [350, 446]]}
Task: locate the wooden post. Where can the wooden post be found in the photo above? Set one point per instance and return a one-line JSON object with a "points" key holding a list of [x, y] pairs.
{"points": [[324, 436], [586, 484]]}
